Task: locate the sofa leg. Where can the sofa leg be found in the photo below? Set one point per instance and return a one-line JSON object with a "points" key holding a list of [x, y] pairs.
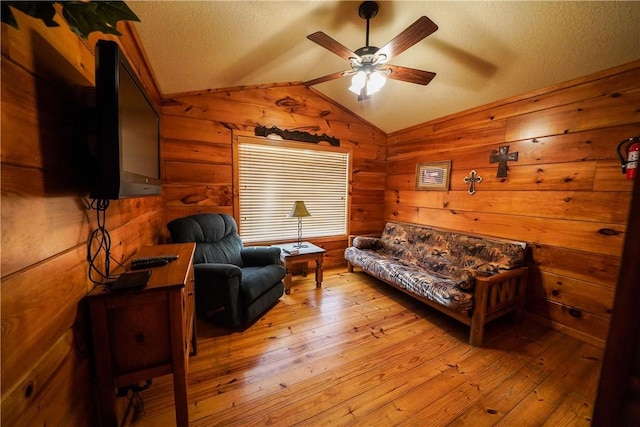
{"points": [[349, 267], [478, 320], [477, 335]]}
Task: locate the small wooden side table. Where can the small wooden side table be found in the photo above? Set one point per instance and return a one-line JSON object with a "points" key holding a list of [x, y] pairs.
{"points": [[143, 334], [290, 254]]}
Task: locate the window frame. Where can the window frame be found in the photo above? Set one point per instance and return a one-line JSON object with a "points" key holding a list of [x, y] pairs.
{"points": [[237, 140]]}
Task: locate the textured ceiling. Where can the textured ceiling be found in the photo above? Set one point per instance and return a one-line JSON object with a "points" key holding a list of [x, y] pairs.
{"points": [[482, 52]]}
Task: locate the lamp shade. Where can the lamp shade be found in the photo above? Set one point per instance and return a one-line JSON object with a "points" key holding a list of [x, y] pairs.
{"points": [[298, 210]]}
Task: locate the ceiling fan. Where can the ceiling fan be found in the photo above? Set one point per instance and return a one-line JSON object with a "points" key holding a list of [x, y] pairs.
{"points": [[369, 64]]}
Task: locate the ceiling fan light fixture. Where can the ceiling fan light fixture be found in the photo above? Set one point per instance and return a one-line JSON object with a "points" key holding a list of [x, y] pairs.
{"points": [[358, 81], [372, 82], [369, 64], [375, 82]]}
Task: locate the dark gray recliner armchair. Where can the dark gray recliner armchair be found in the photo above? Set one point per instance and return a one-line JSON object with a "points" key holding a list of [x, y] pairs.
{"points": [[234, 284]]}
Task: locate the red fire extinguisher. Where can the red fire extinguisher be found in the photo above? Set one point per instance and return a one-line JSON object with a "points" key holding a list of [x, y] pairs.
{"points": [[630, 165]]}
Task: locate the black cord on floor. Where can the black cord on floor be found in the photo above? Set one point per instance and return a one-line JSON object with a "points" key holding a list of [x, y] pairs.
{"points": [[135, 401]]}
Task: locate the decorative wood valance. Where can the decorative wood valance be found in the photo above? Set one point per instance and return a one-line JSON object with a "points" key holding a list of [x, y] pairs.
{"points": [[296, 135]]}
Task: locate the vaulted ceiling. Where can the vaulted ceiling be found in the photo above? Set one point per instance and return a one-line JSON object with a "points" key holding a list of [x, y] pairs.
{"points": [[483, 51]]}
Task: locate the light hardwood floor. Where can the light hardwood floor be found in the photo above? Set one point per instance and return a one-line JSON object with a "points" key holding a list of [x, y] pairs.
{"points": [[358, 352]]}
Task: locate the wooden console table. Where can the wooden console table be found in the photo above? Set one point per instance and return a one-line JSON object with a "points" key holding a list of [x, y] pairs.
{"points": [[291, 255], [142, 334]]}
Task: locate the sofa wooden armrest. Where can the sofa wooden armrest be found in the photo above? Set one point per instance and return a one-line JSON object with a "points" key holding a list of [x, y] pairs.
{"points": [[495, 296]]}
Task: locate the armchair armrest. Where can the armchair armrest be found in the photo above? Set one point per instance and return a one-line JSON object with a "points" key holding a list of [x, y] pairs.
{"points": [[259, 256], [215, 273], [218, 290]]}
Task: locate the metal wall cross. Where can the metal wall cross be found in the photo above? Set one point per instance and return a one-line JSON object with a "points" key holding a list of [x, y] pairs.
{"points": [[501, 157], [471, 180]]}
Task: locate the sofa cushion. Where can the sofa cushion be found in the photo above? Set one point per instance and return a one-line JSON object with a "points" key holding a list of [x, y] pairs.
{"points": [[486, 254], [462, 278], [442, 250], [427, 284], [396, 241]]}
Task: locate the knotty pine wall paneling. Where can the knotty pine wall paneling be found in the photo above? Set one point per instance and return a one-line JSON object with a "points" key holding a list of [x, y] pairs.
{"points": [[199, 129], [565, 195], [46, 222]]}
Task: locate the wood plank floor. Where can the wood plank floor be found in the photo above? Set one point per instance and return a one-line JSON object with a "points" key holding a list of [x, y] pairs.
{"points": [[358, 352]]}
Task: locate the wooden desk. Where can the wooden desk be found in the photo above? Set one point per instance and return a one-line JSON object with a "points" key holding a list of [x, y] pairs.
{"points": [[142, 334], [309, 252]]}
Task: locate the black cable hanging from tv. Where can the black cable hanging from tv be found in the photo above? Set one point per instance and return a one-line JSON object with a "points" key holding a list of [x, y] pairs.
{"points": [[101, 240]]}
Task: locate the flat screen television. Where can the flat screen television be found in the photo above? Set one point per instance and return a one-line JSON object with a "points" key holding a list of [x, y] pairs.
{"points": [[127, 150]]}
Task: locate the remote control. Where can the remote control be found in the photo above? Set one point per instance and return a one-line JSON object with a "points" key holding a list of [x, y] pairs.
{"points": [[153, 261]]}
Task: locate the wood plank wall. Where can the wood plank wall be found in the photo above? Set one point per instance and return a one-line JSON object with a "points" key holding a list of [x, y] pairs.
{"points": [[46, 222], [199, 129], [565, 195]]}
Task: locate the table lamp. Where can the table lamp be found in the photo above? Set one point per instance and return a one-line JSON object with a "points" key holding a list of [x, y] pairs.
{"points": [[299, 210]]}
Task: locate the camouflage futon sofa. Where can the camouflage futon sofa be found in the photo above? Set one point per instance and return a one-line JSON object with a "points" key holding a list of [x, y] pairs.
{"points": [[472, 278]]}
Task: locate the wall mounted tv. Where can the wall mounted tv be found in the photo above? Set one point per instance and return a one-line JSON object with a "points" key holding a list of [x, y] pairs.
{"points": [[127, 150]]}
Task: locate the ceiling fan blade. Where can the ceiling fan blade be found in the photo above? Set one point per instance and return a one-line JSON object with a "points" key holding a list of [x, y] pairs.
{"points": [[325, 78], [332, 45], [410, 36], [410, 75]]}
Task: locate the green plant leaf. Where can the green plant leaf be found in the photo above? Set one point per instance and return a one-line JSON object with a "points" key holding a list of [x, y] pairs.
{"points": [[7, 15], [43, 10], [86, 17], [83, 17]]}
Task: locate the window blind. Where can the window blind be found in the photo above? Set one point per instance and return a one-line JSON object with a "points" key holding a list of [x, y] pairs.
{"points": [[271, 178]]}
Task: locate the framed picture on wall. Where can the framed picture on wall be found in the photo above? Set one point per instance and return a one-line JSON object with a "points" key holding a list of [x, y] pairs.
{"points": [[433, 175]]}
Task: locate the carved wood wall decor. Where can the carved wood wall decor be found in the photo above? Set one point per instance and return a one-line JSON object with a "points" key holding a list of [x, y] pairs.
{"points": [[502, 156], [296, 135], [471, 180]]}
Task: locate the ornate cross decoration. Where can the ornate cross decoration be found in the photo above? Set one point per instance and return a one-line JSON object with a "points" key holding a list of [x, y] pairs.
{"points": [[502, 156], [471, 180]]}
